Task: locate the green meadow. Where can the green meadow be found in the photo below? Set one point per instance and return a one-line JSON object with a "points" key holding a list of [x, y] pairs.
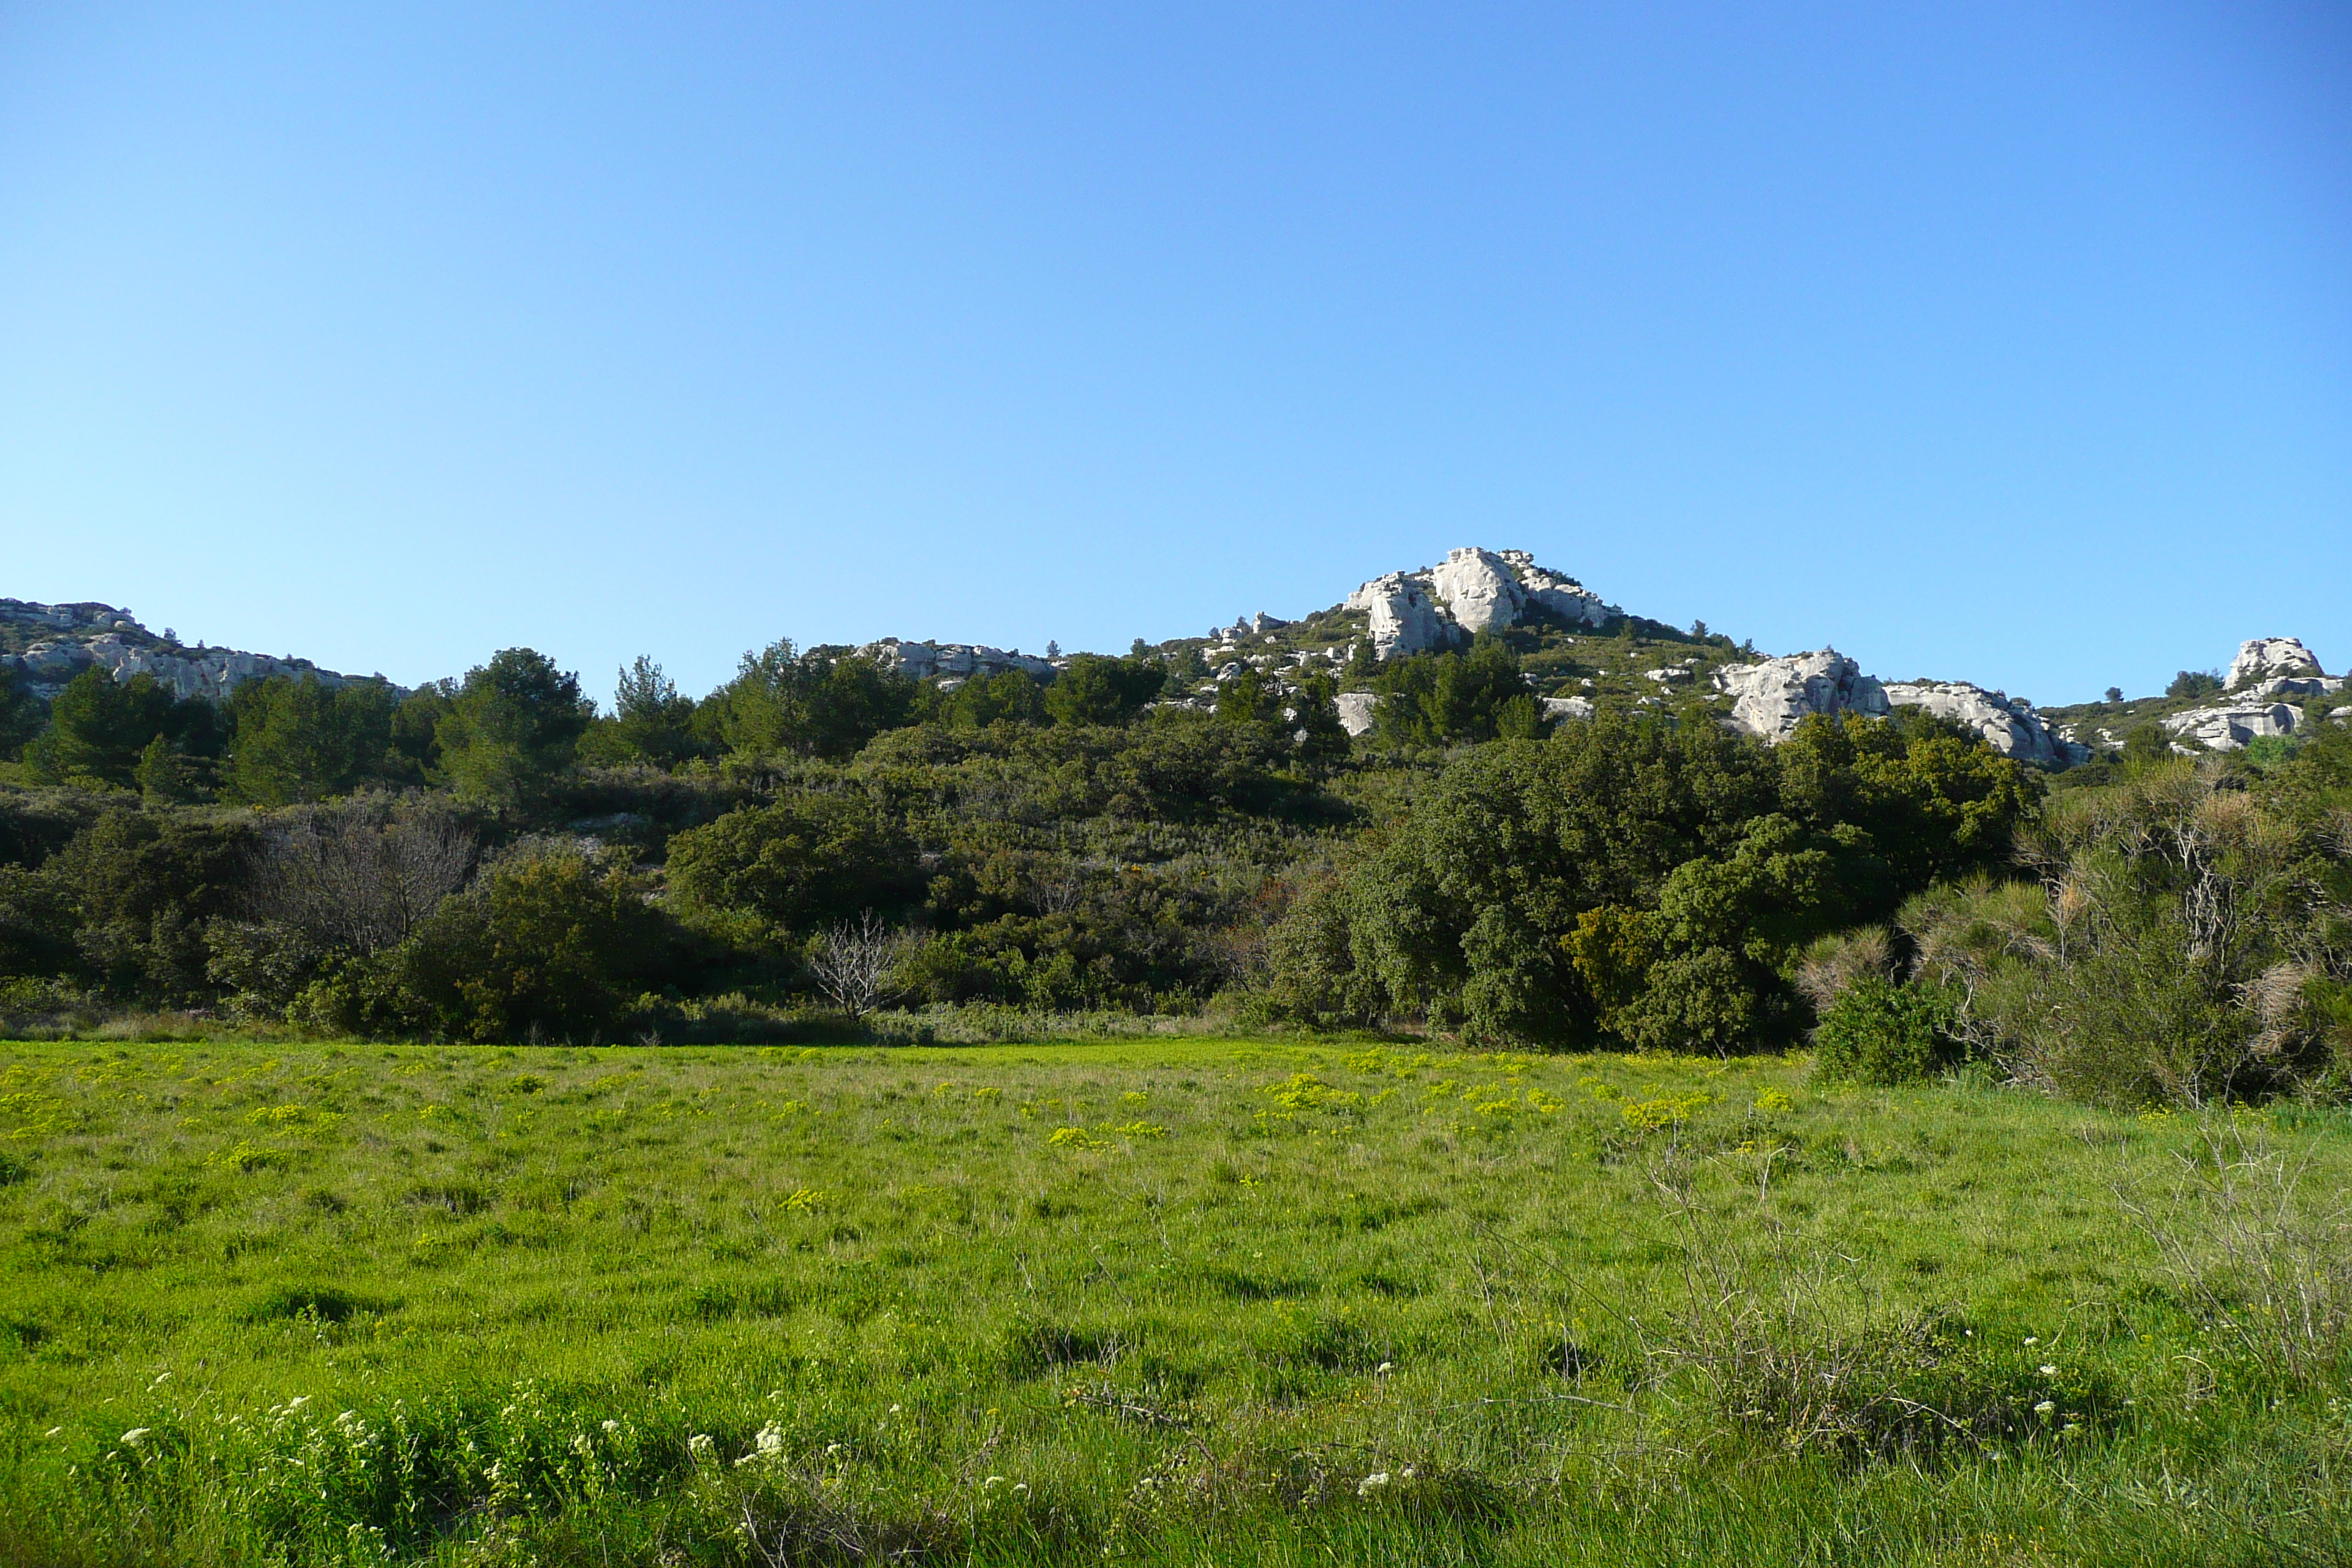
{"points": [[1157, 1302]]}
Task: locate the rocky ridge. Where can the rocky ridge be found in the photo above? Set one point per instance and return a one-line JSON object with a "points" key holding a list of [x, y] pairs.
{"points": [[47, 644]]}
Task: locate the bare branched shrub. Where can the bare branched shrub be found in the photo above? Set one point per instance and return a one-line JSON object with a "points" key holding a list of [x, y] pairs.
{"points": [[855, 962], [2261, 1251], [359, 878]]}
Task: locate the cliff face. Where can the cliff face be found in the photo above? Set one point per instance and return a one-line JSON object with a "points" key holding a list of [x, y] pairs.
{"points": [[47, 644]]}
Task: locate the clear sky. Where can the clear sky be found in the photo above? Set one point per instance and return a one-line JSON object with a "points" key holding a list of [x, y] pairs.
{"points": [[2010, 343]]}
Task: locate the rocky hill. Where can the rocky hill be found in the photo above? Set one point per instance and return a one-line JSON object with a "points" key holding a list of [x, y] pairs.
{"points": [[45, 646], [1581, 653]]}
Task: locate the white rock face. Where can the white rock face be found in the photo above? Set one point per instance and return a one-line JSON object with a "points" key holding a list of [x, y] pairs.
{"points": [[2228, 726], [2279, 686], [1568, 708], [100, 637], [1769, 698], [1472, 590], [929, 660], [1356, 710], [2264, 657], [1477, 589], [1403, 618], [1563, 596], [2009, 724]]}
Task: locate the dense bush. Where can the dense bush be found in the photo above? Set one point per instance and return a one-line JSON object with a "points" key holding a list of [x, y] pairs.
{"points": [[1644, 882], [549, 943], [1880, 1033], [2185, 937]]}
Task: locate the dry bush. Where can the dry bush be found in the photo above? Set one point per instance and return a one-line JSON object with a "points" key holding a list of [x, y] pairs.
{"points": [[855, 962]]}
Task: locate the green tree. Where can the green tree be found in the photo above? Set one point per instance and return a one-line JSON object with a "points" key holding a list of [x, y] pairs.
{"points": [[1249, 698], [100, 728], [774, 873], [137, 888], [2194, 683], [1008, 697], [1320, 735], [652, 722], [826, 702], [1450, 699], [294, 739], [1093, 689], [549, 943], [511, 728], [21, 715]]}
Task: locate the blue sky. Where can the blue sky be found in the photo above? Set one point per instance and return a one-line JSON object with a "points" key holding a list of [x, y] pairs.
{"points": [[2008, 342]]}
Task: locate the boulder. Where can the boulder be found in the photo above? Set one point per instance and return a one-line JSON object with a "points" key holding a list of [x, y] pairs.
{"points": [[1356, 710], [2009, 724], [1770, 697], [2226, 727], [2263, 657], [1557, 708]]}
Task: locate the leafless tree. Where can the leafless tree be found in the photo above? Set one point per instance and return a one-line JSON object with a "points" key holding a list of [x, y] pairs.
{"points": [[359, 878], [855, 962]]}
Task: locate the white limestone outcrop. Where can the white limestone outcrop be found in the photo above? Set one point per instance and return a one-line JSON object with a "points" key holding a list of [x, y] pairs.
{"points": [[72, 638], [1472, 590], [1770, 697], [1403, 619], [2226, 727], [1556, 707], [960, 661], [2009, 724], [1356, 710], [2262, 658]]}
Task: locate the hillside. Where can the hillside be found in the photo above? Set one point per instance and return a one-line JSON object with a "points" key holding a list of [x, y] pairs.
{"points": [[1578, 653]]}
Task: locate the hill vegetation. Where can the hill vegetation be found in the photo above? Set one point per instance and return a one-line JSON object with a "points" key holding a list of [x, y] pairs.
{"points": [[824, 846]]}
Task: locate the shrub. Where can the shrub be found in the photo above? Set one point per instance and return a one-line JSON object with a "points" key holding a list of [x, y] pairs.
{"points": [[550, 942], [1880, 1032]]}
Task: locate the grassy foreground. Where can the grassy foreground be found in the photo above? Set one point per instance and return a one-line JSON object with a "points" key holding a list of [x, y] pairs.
{"points": [[1172, 1301]]}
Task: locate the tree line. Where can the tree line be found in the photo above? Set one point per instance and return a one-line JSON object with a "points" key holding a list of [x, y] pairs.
{"points": [[492, 857]]}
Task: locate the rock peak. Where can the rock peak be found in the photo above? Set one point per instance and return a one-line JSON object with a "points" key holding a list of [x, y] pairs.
{"points": [[1472, 590]]}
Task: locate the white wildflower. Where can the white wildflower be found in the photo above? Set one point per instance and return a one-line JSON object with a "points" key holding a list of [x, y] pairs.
{"points": [[1371, 1483], [611, 1428], [2031, 1340], [2049, 1371], [700, 1446], [131, 1439], [2045, 1407], [1385, 1368], [583, 1445]]}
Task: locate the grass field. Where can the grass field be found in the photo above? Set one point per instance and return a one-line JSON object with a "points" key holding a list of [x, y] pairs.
{"points": [[1174, 1302]]}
